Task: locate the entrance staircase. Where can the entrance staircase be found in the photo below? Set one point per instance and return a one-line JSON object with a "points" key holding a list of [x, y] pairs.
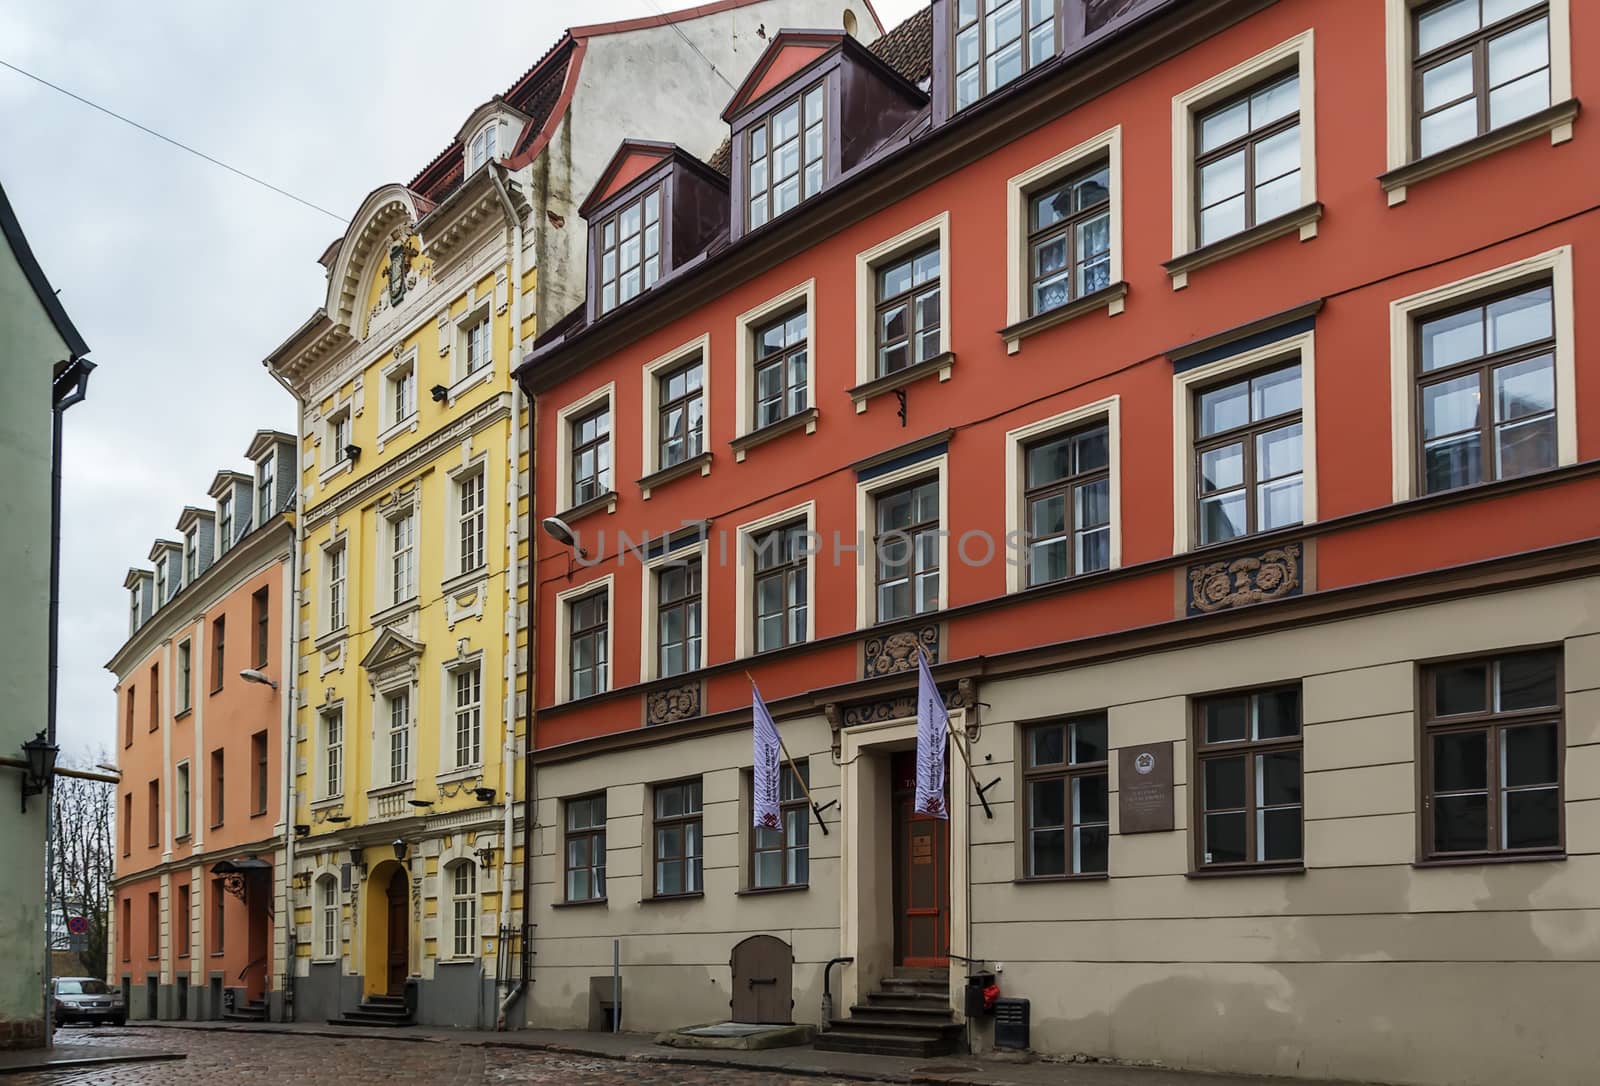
{"points": [[909, 1015], [254, 1010], [380, 1010]]}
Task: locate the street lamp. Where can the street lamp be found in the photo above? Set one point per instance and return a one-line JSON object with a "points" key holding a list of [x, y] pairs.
{"points": [[251, 675], [41, 756]]}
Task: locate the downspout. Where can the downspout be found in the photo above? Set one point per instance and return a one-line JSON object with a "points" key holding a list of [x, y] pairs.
{"points": [[508, 754], [286, 693]]}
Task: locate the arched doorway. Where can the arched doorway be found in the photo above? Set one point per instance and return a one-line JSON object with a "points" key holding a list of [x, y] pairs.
{"points": [[388, 930]]}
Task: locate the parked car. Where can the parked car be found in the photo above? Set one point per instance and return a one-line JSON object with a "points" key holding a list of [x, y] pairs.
{"points": [[87, 999]]}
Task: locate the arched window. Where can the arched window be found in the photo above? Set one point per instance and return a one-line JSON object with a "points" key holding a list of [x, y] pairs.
{"points": [[328, 917], [464, 909]]}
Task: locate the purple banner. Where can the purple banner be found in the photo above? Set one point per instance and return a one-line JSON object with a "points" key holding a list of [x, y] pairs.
{"points": [[933, 730], [768, 758]]}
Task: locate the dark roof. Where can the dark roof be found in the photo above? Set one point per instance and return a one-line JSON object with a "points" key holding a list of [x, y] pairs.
{"points": [[908, 49], [42, 290]]}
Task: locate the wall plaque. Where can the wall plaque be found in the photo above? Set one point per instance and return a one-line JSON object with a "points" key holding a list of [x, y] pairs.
{"points": [[1144, 788]]}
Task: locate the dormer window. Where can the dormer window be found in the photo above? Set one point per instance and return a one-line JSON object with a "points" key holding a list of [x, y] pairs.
{"points": [[161, 582], [786, 155], [224, 524], [264, 480], [630, 250], [996, 41], [191, 555], [482, 147]]}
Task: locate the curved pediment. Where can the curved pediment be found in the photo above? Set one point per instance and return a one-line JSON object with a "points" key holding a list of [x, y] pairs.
{"points": [[387, 219]]}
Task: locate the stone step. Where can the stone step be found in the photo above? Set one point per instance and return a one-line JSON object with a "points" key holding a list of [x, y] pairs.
{"points": [[886, 1043], [370, 1018], [937, 1000], [873, 1023], [919, 1013]]}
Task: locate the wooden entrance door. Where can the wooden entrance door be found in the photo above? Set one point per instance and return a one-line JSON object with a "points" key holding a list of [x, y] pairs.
{"points": [[763, 981], [399, 933], [921, 874]]}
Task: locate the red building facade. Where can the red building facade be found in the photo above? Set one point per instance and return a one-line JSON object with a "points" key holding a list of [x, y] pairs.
{"points": [[1204, 388]]}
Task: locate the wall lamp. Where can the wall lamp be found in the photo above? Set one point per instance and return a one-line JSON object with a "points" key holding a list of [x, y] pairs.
{"points": [[251, 675], [485, 857], [302, 880], [357, 857], [484, 795], [439, 393], [560, 531], [352, 453], [302, 829], [399, 849], [41, 768]]}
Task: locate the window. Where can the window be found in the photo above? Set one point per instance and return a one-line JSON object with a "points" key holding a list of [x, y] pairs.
{"points": [[161, 581], [152, 925], [783, 857], [191, 555], [219, 652], [781, 350], [127, 823], [586, 848], [328, 916], [590, 644], [469, 717], [1492, 747], [181, 801], [1247, 757], [403, 393], [482, 148], [680, 408], [1499, 352], [402, 543], [259, 782], [1067, 481], [155, 814], [998, 43], [591, 455], [479, 345], [464, 909], [1478, 65], [155, 697], [678, 855], [630, 250], [332, 753], [134, 611], [333, 565], [185, 676], [1247, 159], [399, 704], [224, 524], [217, 782], [781, 590], [262, 624], [1249, 474], [1068, 808], [125, 932], [1069, 239], [339, 437], [219, 912], [264, 483], [127, 723], [181, 922], [906, 550], [678, 617], [908, 311], [787, 155], [470, 522]]}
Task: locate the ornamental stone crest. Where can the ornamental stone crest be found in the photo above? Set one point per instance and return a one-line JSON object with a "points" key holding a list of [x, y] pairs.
{"points": [[669, 704], [889, 653], [1248, 579], [398, 272]]}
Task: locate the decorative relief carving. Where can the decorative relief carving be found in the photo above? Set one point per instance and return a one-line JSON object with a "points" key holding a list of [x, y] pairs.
{"points": [[899, 706], [234, 884], [885, 654], [668, 704], [1247, 579]]}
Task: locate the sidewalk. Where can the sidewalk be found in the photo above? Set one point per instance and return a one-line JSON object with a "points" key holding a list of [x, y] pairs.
{"points": [[641, 1047], [72, 1056]]}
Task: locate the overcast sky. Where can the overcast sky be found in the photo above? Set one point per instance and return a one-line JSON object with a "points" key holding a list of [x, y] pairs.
{"points": [[181, 276]]}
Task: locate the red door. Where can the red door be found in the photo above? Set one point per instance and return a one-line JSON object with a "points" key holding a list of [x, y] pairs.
{"points": [[922, 874]]}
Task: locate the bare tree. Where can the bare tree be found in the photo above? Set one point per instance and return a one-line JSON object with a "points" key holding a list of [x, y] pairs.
{"points": [[80, 876]]}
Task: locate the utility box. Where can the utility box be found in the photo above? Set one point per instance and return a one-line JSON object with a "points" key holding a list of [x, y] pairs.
{"points": [[976, 983], [1011, 1023]]}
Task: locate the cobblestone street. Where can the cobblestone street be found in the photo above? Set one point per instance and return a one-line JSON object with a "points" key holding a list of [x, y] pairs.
{"points": [[291, 1060]]}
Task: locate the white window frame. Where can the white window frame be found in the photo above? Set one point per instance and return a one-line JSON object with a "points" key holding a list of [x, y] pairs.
{"points": [[163, 580], [391, 419], [563, 645], [266, 482], [387, 731], [1295, 54], [1397, 27], [329, 785], [606, 394], [1020, 191], [183, 795], [449, 762], [334, 459], [223, 526], [1556, 265], [461, 377], [408, 505], [744, 330], [328, 918], [479, 153], [335, 554], [457, 480], [1109, 410], [867, 492], [867, 264], [700, 345], [745, 574], [1184, 385], [185, 676], [649, 640], [463, 910], [191, 555]]}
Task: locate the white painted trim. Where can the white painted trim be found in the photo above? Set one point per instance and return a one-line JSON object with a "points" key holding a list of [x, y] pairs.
{"points": [[1183, 384], [401, 505], [478, 309], [1557, 264], [744, 575], [1109, 409], [336, 541], [744, 326], [1024, 185], [648, 654], [326, 790], [650, 413], [563, 644], [1296, 53], [867, 263], [471, 464], [466, 660], [391, 424], [866, 496], [582, 406]]}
